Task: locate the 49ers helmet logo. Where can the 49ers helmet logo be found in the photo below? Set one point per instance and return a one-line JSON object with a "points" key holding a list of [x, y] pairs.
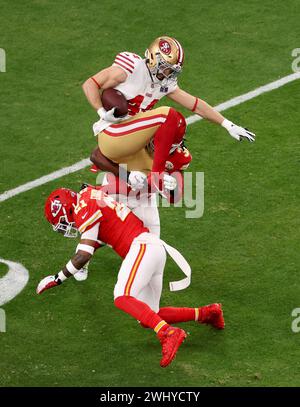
{"points": [[55, 207], [165, 47]]}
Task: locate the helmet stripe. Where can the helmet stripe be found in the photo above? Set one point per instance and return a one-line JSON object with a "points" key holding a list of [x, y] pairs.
{"points": [[180, 52]]}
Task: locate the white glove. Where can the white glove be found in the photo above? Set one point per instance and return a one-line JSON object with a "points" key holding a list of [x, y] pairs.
{"points": [[137, 180], [237, 132], [170, 182], [109, 116]]}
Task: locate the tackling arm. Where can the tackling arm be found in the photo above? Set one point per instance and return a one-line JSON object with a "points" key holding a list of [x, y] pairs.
{"points": [[135, 179], [204, 110], [104, 163]]}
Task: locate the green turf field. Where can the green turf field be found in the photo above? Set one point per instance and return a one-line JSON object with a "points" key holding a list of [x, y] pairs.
{"points": [[244, 251]]}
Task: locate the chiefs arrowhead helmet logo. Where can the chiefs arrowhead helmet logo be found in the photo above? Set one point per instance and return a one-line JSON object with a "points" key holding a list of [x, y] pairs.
{"points": [[55, 207]]}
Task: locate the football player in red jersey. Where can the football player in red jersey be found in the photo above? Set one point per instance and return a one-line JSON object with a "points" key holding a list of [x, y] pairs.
{"points": [[140, 200], [101, 220]]}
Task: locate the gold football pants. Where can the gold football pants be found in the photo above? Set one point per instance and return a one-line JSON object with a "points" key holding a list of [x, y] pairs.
{"points": [[125, 142]]}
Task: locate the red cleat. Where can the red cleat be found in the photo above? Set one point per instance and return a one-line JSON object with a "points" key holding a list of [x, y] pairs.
{"points": [[170, 339], [213, 315], [94, 168]]}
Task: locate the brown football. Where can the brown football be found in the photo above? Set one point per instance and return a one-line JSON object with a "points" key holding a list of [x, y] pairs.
{"points": [[114, 98]]}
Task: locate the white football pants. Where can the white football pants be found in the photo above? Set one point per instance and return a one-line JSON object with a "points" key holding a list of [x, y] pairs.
{"points": [[141, 273]]}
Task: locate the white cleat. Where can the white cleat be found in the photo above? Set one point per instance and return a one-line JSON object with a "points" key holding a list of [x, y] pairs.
{"points": [[82, 274]]}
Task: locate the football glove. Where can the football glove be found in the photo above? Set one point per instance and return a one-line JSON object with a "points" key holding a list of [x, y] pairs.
{"points": [[161, 183], [238, 132], [109, 115], [48, 282], [137, 180], [170, 182]]}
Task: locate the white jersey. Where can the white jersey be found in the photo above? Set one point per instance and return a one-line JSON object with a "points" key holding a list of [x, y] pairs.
{"points": [[141, 92], [139, 89]]}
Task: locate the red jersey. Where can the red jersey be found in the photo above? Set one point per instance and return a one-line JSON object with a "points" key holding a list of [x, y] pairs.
{"points": [[118, 225]]}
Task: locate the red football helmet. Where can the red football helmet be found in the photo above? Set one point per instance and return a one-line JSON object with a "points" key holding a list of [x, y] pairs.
{"points": [[59, 210], [178, 160]]}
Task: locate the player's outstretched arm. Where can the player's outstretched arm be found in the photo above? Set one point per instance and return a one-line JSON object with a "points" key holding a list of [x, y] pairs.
{"points": [[204, 110], [83, 255], [196, 105]]}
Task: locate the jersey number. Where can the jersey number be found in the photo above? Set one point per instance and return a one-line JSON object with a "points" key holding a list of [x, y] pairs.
{"points": [[82, 204], [122, 211]]}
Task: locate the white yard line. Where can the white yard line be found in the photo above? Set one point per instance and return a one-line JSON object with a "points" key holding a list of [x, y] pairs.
{"points": [[46, 178], [13, 282], [250, 95], [190, 120]]}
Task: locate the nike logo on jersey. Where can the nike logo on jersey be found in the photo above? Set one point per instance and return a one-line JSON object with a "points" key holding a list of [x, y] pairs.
{"points": [[82, 217]]}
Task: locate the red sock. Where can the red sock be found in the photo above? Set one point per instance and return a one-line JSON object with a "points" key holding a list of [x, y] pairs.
{"points": [[141, 311], [172, 315], [164, 137]]}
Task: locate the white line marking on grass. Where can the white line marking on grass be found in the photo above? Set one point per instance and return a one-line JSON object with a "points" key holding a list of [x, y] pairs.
{"points": [[46, 178], [190, 120], [13, 282], [250, 95]]}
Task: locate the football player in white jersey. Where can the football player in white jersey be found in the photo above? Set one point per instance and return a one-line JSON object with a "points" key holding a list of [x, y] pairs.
{"points": [[144, 82]]}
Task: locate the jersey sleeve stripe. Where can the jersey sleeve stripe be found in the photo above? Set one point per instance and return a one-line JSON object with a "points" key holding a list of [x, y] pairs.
{"points": [[128, 60], [129, 64], [123, 66], [97, 215]]}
